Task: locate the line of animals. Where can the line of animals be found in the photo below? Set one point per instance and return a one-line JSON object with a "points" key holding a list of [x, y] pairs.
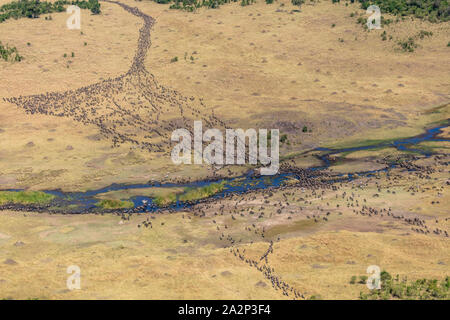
{"points": [[249, 209], [131, 108]]}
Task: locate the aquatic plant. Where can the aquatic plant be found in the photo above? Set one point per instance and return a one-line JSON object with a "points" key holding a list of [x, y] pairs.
{"points": [[162, 201], [114, 204], [25, 197]]}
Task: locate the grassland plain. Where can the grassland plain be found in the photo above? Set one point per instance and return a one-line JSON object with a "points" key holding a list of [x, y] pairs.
{"points": [[344, 92], [317, 68]]}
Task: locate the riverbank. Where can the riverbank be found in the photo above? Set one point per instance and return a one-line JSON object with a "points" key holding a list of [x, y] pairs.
{"points": [[334, 161]]}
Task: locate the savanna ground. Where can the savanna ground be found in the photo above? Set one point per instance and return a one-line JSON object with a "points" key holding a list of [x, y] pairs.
{"points": [[258, 66]]}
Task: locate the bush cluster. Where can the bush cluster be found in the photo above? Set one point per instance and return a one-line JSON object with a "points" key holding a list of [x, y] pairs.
{"points": [[401, 288], [34, 8]]}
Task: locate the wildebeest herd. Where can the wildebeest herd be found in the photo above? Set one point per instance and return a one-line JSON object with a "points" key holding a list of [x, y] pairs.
{"points": [[131, 108], [240, 221]]}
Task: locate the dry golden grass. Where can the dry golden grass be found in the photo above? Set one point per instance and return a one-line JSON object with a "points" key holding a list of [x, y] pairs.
{"points": [[250, 63], [253, 62]]}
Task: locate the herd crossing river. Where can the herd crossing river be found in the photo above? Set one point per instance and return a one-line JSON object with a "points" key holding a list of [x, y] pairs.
{"points": [[83, 202]]}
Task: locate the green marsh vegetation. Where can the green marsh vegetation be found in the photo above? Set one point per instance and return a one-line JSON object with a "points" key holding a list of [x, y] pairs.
{"points": [[167, 197], [410, 44], [25, 197], [432, 10]]}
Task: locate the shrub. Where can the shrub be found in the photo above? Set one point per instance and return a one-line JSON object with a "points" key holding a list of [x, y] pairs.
{"points": [[8, 53], [297, 2], [192, 194]]}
